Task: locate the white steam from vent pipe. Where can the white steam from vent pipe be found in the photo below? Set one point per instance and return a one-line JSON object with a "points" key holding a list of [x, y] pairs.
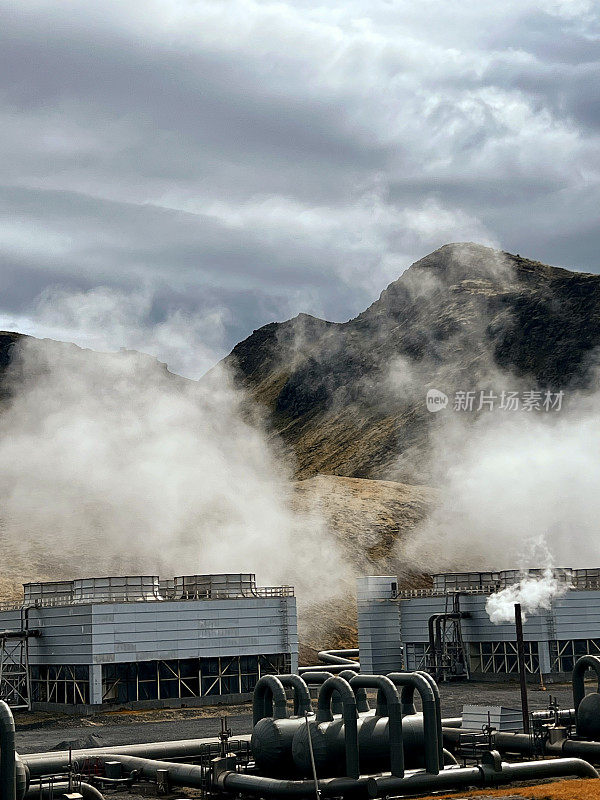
{"points": [[533, 593]]}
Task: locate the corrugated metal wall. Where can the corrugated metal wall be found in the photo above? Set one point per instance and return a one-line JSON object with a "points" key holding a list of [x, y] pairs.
{"points": [[124, 632], [378, 625]]}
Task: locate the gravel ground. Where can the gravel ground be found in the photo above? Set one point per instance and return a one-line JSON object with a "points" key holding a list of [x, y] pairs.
{"points": [[39, 732]]}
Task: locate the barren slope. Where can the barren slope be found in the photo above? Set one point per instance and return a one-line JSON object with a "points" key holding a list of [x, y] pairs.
{"points": [[348, 398]]}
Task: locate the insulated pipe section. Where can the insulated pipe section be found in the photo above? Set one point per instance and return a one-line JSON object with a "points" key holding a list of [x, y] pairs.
{"points": [[581, 666], [522, 744], [490, 773], [317, 679], [337, 684], [243, 784], [587, 708], [438, 702], [269, 699], [338, 656], [348, 656], [302, 701], [54, 790], [432, 721], [55, 762], [387, 689], [333, 668], [8, 761], [362, 701]]}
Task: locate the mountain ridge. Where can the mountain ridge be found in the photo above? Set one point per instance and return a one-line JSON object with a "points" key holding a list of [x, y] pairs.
{"points": [[348, 398]]}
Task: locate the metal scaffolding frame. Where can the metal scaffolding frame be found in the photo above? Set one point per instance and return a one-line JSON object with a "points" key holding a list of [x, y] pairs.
{"points": [[15, 688]]}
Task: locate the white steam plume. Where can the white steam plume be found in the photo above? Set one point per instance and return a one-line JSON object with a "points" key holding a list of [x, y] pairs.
{"points": [[508, 478], [105, 318], [533, 593], [109, 464]]}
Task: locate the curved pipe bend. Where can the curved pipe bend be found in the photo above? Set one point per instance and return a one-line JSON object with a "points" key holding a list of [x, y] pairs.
{"points": [[387, 690], [269, 699], [362, 701], [344, 689], [337, 656], [581, 666], [432, 718], [302, 701]]}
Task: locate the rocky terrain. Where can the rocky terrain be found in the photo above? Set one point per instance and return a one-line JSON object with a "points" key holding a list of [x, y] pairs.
{"points": [[348, 398]]}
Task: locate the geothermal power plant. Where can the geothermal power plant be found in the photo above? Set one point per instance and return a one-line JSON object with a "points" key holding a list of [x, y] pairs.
{"points": [[358, 724]]}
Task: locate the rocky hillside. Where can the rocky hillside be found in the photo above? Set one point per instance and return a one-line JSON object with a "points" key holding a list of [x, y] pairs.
{"points": [[367, 517], [348, 398]]}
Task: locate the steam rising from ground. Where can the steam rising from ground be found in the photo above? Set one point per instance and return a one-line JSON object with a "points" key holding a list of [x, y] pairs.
{"points": [[109, 464], [533, 593]]}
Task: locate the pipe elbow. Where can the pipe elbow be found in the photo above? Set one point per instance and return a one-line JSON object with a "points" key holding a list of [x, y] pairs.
{"points": [[269, 690], [302, 701]]}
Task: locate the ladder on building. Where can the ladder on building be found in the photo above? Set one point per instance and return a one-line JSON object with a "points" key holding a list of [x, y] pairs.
{"points": [[285, 631]]}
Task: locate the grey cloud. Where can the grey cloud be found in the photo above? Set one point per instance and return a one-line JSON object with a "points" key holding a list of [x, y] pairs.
{"points": [[277, 159]]}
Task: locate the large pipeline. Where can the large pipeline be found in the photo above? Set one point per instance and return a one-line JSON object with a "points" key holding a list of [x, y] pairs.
{"points": [[338, 656], [8, 761], [54, 762], [349, 716], [432, 716], [491, 773], [587, 707], [387, 692], [336, 661], [522, 744]]}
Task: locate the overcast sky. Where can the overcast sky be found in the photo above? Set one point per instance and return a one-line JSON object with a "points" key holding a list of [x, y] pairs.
{"points": [[225, 163]]}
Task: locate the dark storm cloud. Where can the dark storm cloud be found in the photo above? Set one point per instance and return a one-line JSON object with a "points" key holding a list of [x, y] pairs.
{"points": [[270, 158]]}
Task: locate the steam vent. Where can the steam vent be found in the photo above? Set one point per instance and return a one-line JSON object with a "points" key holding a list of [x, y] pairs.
{"points": [[139, 639], [447, 631]]}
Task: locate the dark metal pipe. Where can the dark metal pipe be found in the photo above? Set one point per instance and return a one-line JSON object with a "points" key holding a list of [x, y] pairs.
{"points": [[337, 684], [333, 668], [438, 702], [487, 774], [269, 699], [236, 782], [521, 665], [581, 666], [394, 713], [522, 744], [338, 656], [302, 701], [432, 642], [362, 701], [54, 762], [432, 720], [8, 761], [51, 791], [317, 679]]}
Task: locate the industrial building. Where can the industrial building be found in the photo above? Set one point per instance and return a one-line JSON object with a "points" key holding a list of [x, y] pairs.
{"points": [[445, 629], [101, 641]]}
